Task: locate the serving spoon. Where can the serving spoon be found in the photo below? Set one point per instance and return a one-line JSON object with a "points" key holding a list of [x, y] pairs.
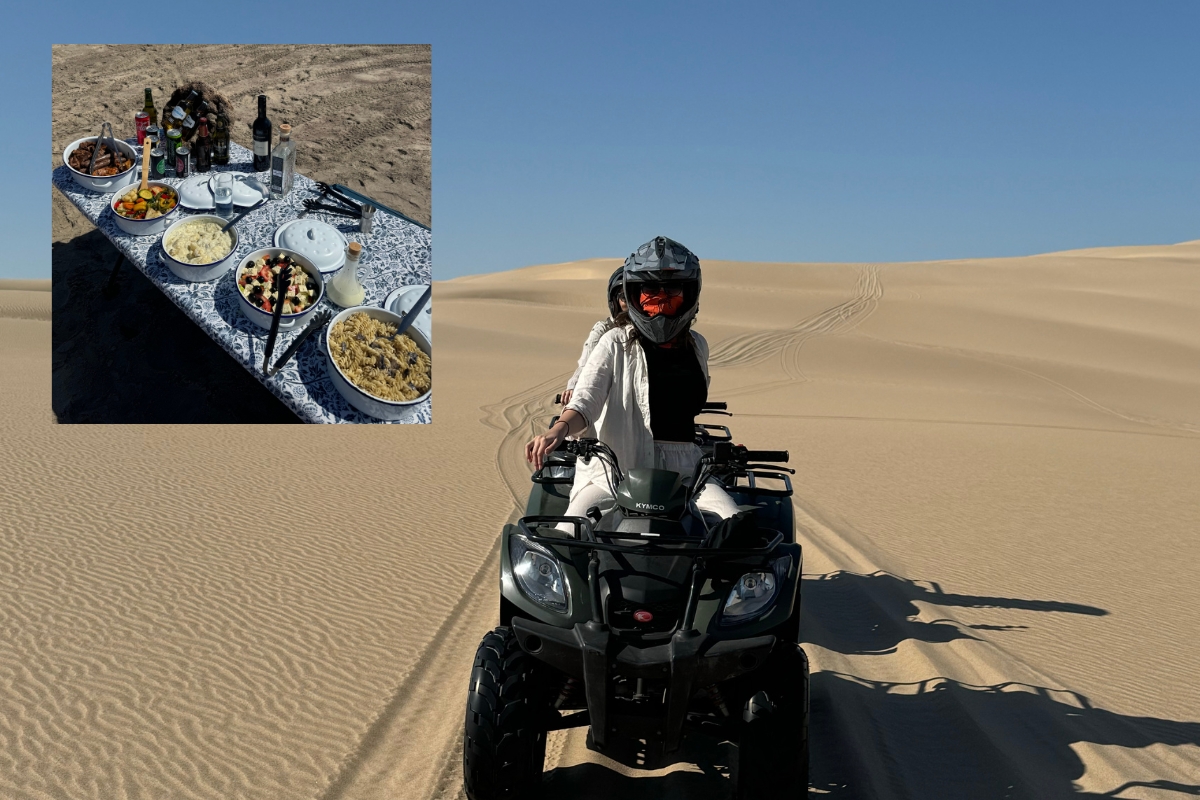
{"points": [[229, 224], [145, 167]]}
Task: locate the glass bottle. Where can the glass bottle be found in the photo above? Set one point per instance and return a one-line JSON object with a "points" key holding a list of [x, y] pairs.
{"points": [[344, 288], [220, 141], [150, 109], [283, 163], [182, 113], [203, 147], [262, 137]]}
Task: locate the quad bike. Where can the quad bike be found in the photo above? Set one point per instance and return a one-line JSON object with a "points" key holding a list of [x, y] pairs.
{"points": [[644, 621]]}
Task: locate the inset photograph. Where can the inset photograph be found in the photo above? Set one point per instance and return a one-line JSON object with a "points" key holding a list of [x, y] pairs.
{"points": [[241, 233]]}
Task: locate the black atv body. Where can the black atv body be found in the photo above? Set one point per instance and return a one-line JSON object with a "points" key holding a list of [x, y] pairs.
{"points": [[627, 624]]}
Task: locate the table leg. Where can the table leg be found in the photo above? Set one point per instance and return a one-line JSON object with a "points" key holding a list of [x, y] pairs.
{"points": [[110, 288]]}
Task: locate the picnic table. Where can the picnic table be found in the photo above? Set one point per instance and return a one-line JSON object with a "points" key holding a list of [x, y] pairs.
{"points": [[396, 253]]}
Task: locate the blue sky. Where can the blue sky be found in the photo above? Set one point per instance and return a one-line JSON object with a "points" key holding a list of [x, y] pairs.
{"points": [[834, 131]]}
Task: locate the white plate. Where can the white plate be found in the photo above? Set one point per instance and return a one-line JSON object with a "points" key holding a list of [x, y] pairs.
{"points": [[247, 189], [326, 260], [195, 194], [402, 299]]}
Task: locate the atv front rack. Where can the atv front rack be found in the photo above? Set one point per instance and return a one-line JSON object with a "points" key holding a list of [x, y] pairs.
{"points": [[653, 544], [689, 659]]}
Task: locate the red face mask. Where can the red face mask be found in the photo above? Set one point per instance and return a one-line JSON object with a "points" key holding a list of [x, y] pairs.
{"points": [[661, 301]]}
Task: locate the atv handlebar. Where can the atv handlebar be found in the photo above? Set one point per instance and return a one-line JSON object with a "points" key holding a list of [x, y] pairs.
{"points": [[766, 455], [736, 454]]}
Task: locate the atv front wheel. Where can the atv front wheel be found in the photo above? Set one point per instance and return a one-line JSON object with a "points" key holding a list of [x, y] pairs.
{"points": [[773, 749], [504, 744]]}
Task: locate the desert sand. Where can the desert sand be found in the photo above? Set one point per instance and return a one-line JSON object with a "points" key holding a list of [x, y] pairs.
{"points": [[361, 116], [996, 465]]}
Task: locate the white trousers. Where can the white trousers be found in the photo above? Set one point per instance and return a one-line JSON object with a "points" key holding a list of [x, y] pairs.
{"points": [[680, 457]]}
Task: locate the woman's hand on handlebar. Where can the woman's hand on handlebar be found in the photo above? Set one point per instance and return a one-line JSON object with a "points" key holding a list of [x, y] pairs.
{"points": [[542, 446], [566, 396]]}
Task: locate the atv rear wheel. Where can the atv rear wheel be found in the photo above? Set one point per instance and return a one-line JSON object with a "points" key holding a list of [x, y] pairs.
{"points": [[773, 749], [504, 744]]}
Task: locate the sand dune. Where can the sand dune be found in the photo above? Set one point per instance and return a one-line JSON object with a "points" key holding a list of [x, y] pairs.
{"points": [[996, 466]]}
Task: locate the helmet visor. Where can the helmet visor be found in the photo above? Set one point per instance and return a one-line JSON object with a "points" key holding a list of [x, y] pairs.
{"points": [[658, 299]]}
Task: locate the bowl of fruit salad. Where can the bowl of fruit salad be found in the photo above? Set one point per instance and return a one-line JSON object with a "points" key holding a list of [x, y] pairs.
{"points": [[256, 276], [146, 212]]}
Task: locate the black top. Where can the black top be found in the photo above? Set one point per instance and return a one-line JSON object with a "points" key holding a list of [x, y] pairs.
{"points": [[677, 392]]}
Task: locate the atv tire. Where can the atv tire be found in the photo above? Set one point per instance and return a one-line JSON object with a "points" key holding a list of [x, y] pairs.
{"points": [[773, 749], [504, 744]]}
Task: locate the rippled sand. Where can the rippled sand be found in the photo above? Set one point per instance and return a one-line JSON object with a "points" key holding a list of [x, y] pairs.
{"points": [[996, 466]]}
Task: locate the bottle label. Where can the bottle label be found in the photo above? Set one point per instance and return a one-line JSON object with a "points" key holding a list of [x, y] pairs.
{"points": [[260, 147], [188, 122]]}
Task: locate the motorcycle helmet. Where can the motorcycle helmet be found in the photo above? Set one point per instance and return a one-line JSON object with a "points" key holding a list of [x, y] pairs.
{"points": [[614, 291], [661, 282]]}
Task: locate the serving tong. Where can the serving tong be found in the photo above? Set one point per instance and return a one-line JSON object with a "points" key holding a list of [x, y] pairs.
{"points": [[344, 206], [112, 145], [318, 322], [282, 282], [315, 205]]}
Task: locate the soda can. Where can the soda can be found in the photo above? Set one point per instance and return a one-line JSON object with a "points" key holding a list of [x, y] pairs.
{"points": [[158, 163], [141, 121], [183, 161], [174, 139]]}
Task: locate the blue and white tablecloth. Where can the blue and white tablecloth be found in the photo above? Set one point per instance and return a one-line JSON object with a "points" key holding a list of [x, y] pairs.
{"points": [[397, 253]]}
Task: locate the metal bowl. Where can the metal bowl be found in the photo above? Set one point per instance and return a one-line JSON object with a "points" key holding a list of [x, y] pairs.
{"points": [[367, 403], [198, 273], [108, 183], [144, 227], [262, 318]]}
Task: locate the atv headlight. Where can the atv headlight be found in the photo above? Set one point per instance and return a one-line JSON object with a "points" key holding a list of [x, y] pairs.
{"points": [[538, 574], [755, 592], [561, 470]]}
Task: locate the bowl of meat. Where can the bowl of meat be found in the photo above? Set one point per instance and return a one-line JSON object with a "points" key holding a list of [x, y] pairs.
{"points": [[111, 171], [145, 212], [256, 276]]}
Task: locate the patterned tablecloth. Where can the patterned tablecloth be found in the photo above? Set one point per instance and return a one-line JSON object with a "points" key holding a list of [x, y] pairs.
{"points": [[397, 253]]}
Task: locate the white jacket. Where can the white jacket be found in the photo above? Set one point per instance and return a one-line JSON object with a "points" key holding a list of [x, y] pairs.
{"points": [[613, 395], [599, 329]]}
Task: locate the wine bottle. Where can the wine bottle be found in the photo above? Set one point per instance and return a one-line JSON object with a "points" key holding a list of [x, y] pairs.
{"points": [[203, 147], [262, 137], [150, 109]]}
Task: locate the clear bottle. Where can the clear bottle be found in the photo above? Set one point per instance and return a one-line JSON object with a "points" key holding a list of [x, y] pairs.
{"points": [[283, 163], [344, 288]]}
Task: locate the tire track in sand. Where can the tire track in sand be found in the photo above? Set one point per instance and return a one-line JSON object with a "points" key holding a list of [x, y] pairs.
{"points": [[752, 348], [414, 747]]}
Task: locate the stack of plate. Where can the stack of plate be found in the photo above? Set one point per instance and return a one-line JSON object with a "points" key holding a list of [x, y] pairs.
{"points": [[196, 192]]}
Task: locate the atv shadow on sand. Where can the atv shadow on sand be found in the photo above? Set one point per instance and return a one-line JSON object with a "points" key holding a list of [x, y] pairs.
{"points": [[947, 739], [858, 614]]}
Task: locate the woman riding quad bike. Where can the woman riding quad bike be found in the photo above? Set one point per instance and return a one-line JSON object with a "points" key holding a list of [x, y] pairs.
{"points": [[632, 605], [644, 382], [616, 304]]}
